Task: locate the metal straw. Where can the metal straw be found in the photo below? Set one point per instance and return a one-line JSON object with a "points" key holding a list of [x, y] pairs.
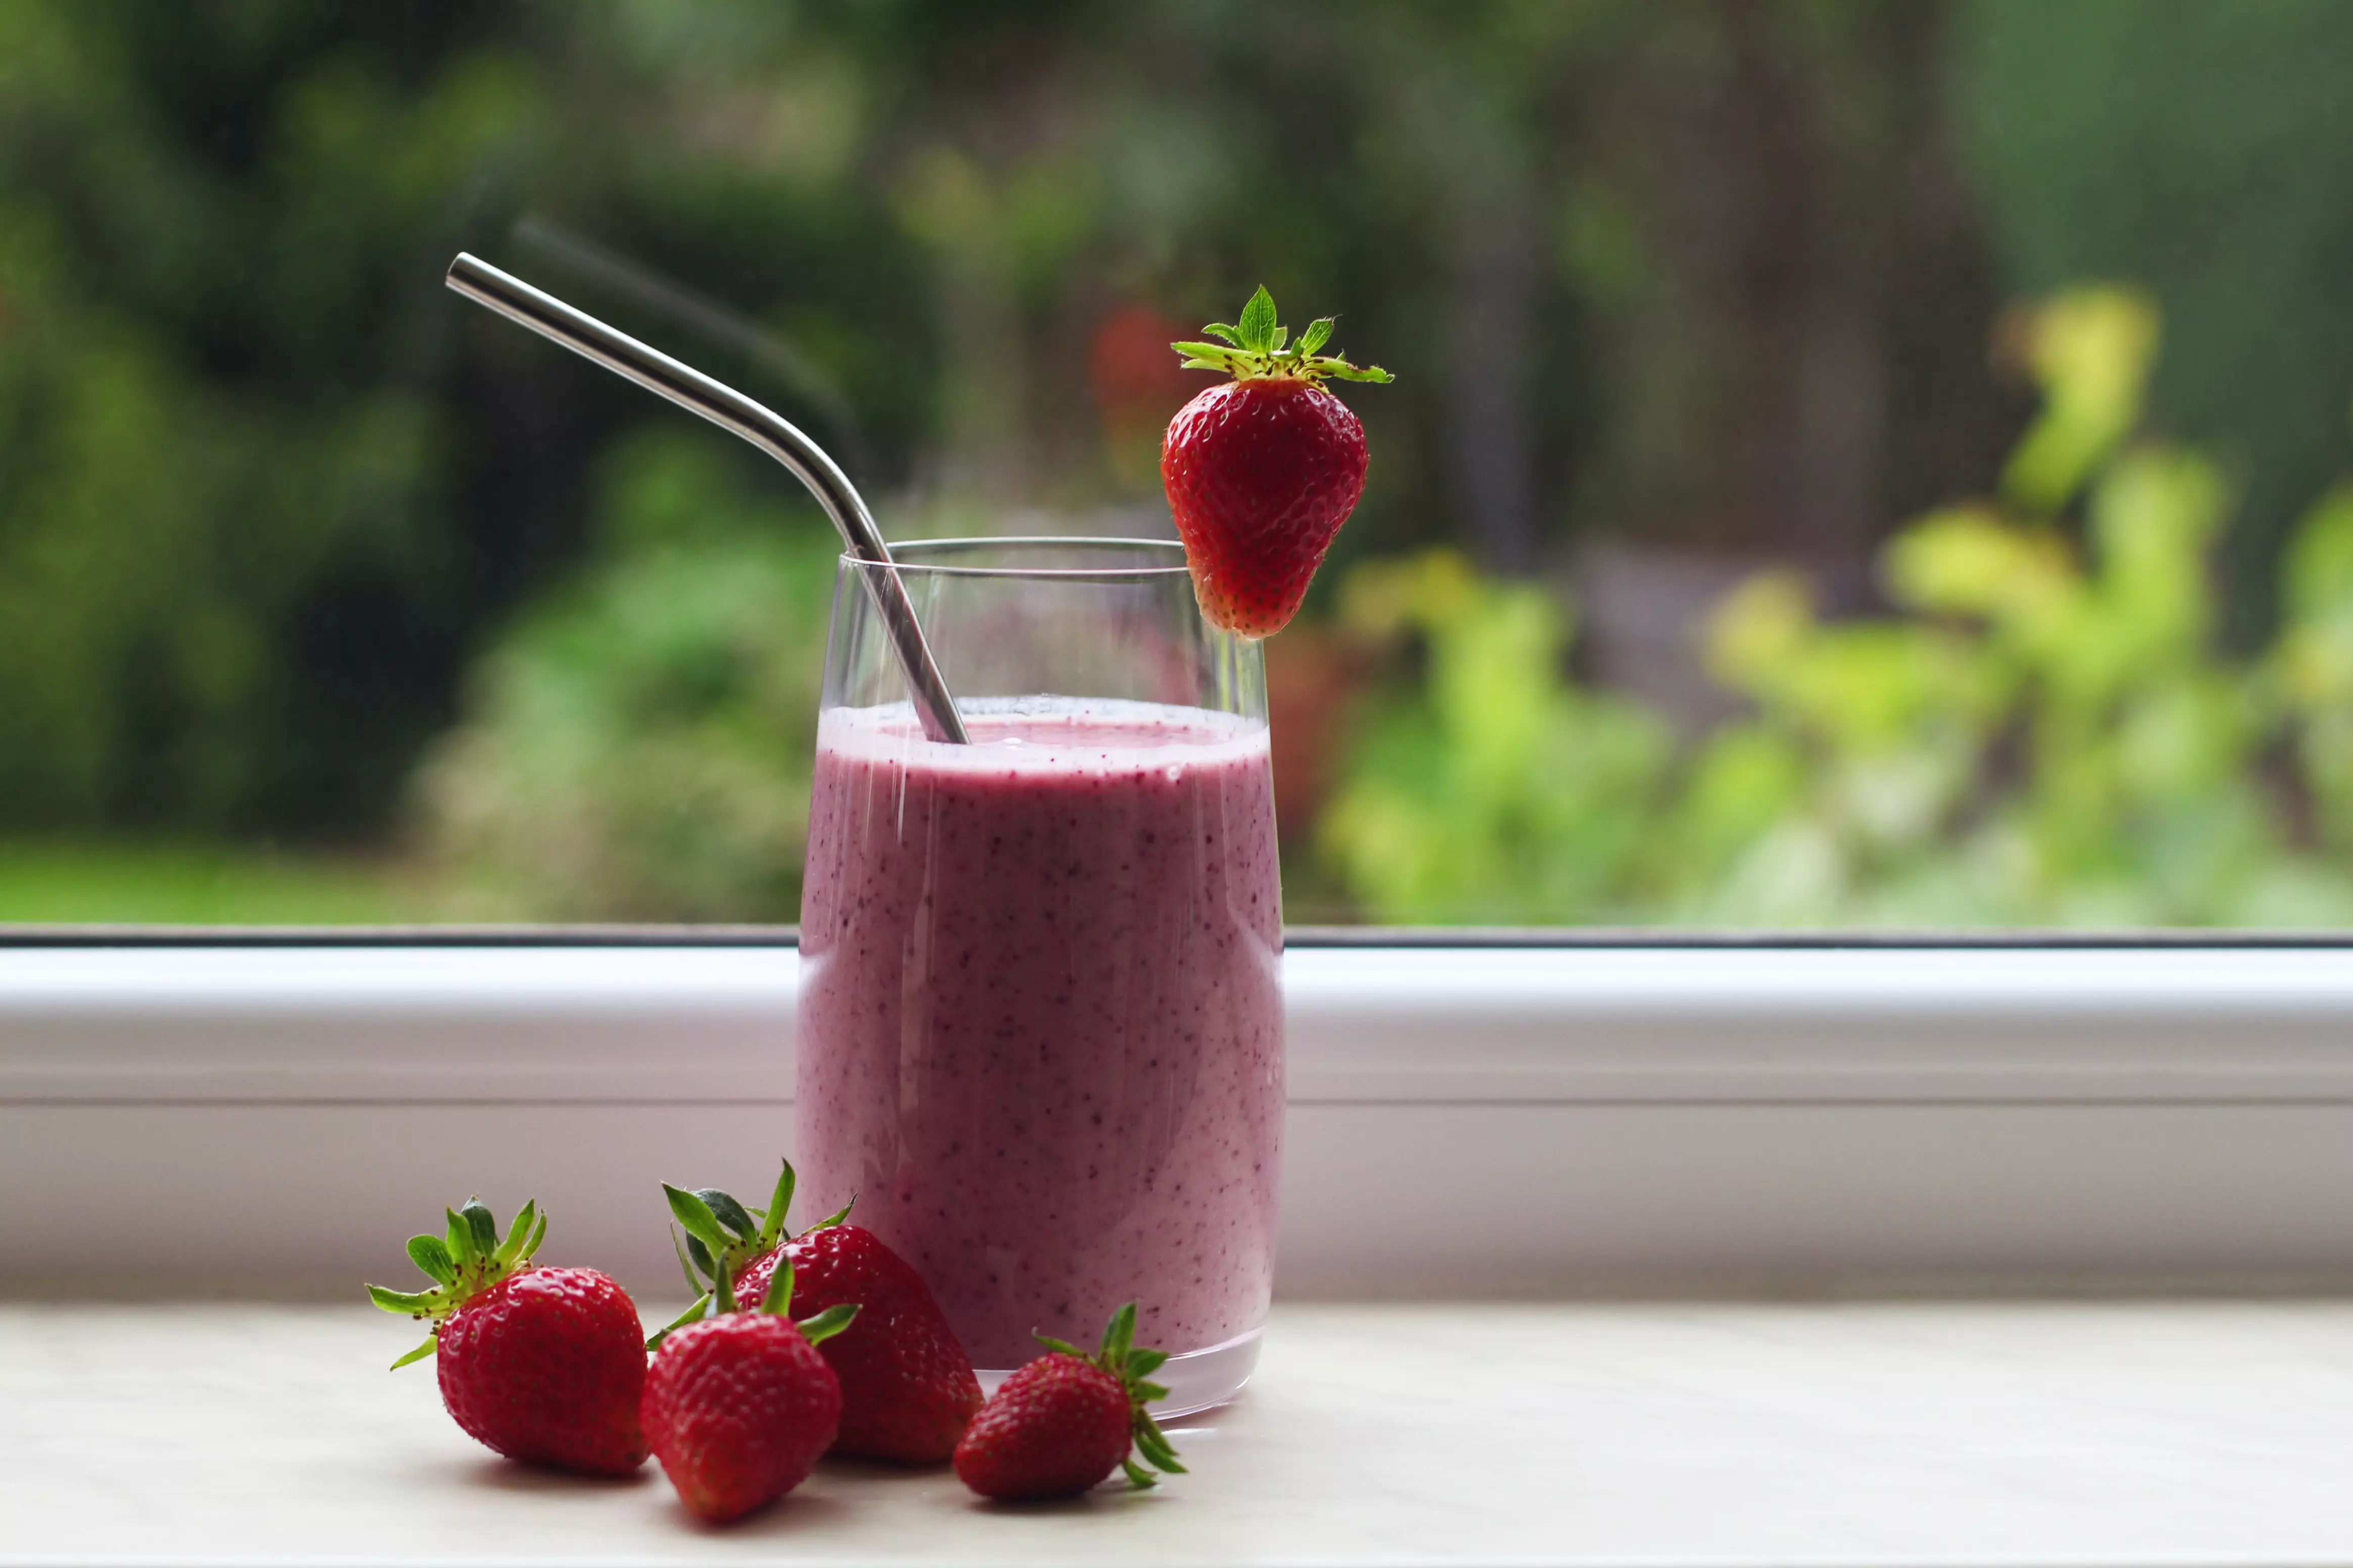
{"points": [[729, 410]]}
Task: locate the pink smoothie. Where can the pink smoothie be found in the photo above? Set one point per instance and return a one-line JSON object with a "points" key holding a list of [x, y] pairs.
{"points": [[1040, 1016]]}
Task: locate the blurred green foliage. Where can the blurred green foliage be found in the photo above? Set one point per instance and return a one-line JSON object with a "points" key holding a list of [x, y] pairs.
{"points": [[2051, 736], [2204, 152], [638, 747], [164, 883], [295, 548]]}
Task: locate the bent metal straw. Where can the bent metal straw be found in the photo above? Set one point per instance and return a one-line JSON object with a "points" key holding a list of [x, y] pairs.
{"points": [[729, 410]]}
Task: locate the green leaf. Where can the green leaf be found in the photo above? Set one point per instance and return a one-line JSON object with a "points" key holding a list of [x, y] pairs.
{"points": [[1159, 1455], [1220, 331], [1137, 1476], [483, 1224], [1119, 1334], [1281, 335], [1257, 325], [772, 1225], [779, 1298], [431, 1344], [1152, 1443], [538, 1235], [822, 1326], [729, 1213], [520, 1237], [1342, 370], [1215, 351], [1145, 1363], [1059, 1347], [685, 1264], [836, 1217], [432, 1255], [695, 1216], [462, 1249], [1318, 334], [702, 1306], [1148, 1391], [702, 1258], [408, 1303]]}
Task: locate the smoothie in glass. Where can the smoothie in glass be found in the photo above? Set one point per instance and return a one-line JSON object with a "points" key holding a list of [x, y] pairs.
{"points": [[1041, 1019]]}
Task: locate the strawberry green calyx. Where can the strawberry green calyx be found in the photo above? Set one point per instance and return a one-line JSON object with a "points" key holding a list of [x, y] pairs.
{"points": [[1120, 1357], [465, 1261], [1253, 348], [715, 1235]]}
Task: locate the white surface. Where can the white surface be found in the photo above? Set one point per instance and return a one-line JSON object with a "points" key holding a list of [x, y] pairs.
{"points": [[1542, 1120], [2113, 1435]]}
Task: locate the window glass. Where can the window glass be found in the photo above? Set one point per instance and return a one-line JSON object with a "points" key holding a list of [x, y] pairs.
{"points": [[1848, 464]]}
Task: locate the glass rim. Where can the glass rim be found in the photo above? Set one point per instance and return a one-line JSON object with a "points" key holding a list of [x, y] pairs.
{"points": [[1171, 549]]}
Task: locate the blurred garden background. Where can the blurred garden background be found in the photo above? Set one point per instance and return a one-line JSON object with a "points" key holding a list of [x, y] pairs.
{"points": [[1862, 463]]}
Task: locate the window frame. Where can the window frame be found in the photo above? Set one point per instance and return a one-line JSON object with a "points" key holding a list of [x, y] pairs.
{"points": [[1471, 1111]]}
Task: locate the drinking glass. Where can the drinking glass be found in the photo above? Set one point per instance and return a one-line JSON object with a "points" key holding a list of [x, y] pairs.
{"points": [[1040, 1035]]}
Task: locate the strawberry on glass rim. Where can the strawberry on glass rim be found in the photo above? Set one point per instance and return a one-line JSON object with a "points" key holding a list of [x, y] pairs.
{"points": [[1263, 470]]}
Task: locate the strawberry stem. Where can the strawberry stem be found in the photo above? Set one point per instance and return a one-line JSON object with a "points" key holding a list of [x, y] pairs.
{"points": [[1119, 1357], [1253, 348], [467, 1260]]}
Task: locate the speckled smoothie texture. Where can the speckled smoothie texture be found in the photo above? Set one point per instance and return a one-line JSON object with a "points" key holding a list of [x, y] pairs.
{"points": [[1041, 1016]]}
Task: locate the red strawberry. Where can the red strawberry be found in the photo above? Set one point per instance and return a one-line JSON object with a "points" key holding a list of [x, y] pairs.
{"points": [[740, 1406], [1065, 1421], [544, 1365], [1262, 471], [907, 1387]]}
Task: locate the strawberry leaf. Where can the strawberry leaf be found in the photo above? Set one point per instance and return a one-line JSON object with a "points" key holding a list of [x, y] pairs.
{"points": [[1137, 1476], [462, 1240], [408, 1303], [695, 1217], [432, 1343], [701, 1308], [518, 1239], [1144, 1364], [824, 1325], [430, 1254], [1256, 324], [1059, 1347], [772, 1224], [729, 1213], [779, 1298], [1260, 346], [685, 1264], [836, 1217], [484, 1226], [1119, 1334]]}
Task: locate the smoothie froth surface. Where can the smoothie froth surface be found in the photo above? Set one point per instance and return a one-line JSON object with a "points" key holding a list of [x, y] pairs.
{"points": [[1041, 1013], [1037, 737]]}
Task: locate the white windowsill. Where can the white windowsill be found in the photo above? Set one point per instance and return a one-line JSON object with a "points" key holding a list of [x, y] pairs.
{"points": [[2058, 1434], [1613, 1119]]}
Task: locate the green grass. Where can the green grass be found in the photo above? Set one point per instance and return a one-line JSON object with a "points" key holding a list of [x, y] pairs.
{"points": [[182, 884]]}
